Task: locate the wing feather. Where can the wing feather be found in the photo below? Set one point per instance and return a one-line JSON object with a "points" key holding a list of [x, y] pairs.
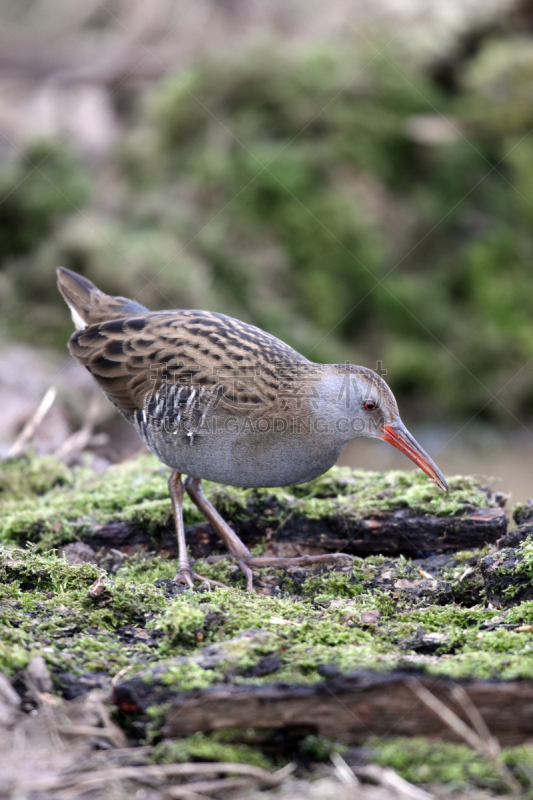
{"points": [[132, 358]]}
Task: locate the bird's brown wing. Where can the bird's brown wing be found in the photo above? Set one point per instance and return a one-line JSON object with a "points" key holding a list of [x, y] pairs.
{"points": [[137, 359]]}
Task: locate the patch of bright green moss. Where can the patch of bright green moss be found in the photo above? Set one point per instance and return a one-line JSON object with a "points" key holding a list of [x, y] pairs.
{"points": [[355, 494], [208, 747], [509, 573], [31, 475], [186, 675], [306, 636], [135, 491], [45, 608], [524, 554], [32, 570], [181, 624], [145, 567], [332, 585], [396, 489], [421, 760]]}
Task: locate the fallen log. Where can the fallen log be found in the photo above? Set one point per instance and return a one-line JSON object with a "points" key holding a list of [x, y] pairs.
{"points": [[393, 533], [357, 512], [351, 707]]}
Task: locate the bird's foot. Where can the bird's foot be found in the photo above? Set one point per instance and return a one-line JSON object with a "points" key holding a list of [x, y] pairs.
{"points": [[247, 565], [186, 576], [285, 563], [208, 583]]}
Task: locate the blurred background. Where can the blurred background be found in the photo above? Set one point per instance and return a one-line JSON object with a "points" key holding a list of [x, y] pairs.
{"points": [[354, 176]]}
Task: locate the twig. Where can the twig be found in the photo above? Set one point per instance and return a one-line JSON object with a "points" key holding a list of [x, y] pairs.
{"points": [[195, 790], [148, 772], [476, 720], [120, 674], [85, 730], [189, 796], [138, 755], [390, 779], [284, 772], [30, 428], [79, 440], [468, 571], [343, 772], [485, 744], [111, 730], [448, 716]]}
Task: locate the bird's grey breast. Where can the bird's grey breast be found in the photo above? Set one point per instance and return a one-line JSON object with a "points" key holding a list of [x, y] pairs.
{"points": [[239, 436]]}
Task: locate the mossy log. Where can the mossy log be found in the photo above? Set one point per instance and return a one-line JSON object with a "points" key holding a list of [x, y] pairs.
{"points": [[508, 574], [351, 707], [360, 513], [344, 511], [101, 618], [392, 533]]}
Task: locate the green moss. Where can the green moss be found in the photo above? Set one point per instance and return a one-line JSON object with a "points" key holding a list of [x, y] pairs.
{"points": [[186, 676], [60, 505], [196, 640], [208, 747], [182, 623], [522, 513], [354, 494], [147, 568], [524, 559], [320, 748], [306, 636], [45, 608], [31, 475], [33, 571], [329, 586], [521, 614], [508, 573], [135, 492], [421, 760]]}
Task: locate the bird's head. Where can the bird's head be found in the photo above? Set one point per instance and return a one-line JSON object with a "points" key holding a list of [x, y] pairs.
{"points": [[372, 411]]}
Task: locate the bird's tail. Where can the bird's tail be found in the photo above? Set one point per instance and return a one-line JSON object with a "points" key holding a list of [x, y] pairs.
{"points": [[89, 305]]}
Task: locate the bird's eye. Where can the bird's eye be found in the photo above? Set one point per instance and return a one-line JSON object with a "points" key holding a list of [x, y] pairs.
{"points": [[370, 405]]}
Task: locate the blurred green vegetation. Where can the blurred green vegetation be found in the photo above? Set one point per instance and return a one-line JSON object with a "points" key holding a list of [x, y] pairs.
{"points": [[337, 198]]}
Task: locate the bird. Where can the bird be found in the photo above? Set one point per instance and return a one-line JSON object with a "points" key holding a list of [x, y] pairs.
{"points": [[218, 399]]}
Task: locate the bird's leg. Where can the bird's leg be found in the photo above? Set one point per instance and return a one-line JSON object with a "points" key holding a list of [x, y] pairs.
{"points": [[237, 549], [175, 487], [184, 573]]}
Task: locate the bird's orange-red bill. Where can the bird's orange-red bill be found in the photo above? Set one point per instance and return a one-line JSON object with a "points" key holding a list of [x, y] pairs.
{"points": [[399, 437]]}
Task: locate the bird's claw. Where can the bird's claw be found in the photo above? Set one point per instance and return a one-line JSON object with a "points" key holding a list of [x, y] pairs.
{"points": [[184, 575], [204, 586]]}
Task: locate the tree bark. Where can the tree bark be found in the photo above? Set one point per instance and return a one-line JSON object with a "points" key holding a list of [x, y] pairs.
{"points": [[393, 533], [352, 707]]}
